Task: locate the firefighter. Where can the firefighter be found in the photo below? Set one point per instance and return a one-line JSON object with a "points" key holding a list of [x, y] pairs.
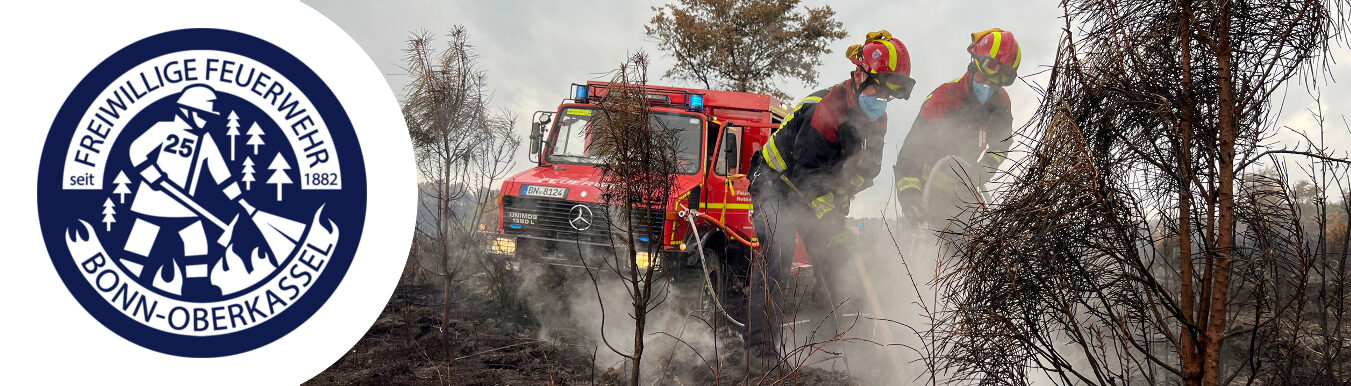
{"points": [[824, 153], [969, 118], [177, 153]]}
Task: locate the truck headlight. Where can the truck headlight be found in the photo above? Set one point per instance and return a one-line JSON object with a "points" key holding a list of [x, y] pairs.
{"points": [[644, 260], [504, 245]]}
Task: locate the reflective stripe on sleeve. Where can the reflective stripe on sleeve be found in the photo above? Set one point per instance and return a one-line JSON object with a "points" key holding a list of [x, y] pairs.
{"points": [[772, 156], [907, 183]]}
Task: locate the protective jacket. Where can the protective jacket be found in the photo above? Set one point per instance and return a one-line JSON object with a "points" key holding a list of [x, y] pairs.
{"points": [[953, 121], [826, 147], [182, 155]]}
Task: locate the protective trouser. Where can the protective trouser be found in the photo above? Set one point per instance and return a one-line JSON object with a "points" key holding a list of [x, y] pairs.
{"points": [[780, 215]]}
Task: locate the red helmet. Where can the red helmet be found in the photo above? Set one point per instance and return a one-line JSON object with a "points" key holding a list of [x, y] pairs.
{"points": [[996, 53], [884, 55], [887, 62]]}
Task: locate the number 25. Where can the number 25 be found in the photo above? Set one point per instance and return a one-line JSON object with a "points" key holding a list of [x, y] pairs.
{"points": [[182, 148]]}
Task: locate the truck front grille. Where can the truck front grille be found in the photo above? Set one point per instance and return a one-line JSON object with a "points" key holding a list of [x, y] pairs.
{"points": [[559, 220]]}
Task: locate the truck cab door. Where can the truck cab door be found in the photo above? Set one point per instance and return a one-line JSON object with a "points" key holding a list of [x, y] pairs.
{"points": [[726, 192]]}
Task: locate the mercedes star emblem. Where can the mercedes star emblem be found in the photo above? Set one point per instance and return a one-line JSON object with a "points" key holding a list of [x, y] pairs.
{"points": [[581, 217]]}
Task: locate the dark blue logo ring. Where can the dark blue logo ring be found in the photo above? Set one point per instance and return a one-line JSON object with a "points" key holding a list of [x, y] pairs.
{"points": [[202, 192]]}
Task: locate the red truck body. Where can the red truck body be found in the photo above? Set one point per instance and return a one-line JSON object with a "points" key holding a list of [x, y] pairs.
{"points": [[556, 204]]}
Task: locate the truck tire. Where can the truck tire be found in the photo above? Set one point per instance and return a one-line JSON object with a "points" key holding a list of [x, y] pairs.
{"points": [[729, 282]]}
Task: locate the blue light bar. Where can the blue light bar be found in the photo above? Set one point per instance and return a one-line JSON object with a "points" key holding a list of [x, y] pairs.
{"points": [[696, 102], [514, 226], [579, 92], [643, 239]]}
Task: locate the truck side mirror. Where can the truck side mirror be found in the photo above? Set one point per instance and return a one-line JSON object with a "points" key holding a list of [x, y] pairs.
{"points": [[731, 153], [537, 125], [535, 136]]}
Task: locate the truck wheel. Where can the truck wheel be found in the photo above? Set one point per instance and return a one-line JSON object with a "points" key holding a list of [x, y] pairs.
{"points": [[543, 289], [728, 286]]}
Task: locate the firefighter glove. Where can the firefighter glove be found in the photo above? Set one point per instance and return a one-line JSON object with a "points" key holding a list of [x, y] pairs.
{"points": [[151, 175], [836, 202], [823, 205]]}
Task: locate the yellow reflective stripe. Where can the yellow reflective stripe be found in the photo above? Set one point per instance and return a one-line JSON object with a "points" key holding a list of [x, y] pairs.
{"points": [[770, 151], [891, 54], [994, 49], [858, 181], [906, 183], [791, 185], [996, 156], [804, 102], [824, 204], [824, 200], [1018, 58], [773, 157], [726, 206]]}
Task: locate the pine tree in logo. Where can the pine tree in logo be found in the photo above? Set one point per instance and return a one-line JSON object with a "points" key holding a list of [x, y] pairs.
{"points": [[121, 191], [255, 137], [108, 213], [279, 177], [233, 125], [248, 173]]}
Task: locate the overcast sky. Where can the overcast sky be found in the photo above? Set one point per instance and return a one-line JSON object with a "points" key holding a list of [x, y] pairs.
{"points": [[533, 50]]}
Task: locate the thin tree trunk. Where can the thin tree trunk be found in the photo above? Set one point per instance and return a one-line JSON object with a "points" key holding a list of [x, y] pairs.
{"points": [[1191, 363], [443, 225], [1225, 250], [640, 296]]}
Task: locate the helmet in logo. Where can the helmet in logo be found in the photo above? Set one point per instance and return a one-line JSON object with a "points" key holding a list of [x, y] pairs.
{"points": [[580, 217], [199, 97]]}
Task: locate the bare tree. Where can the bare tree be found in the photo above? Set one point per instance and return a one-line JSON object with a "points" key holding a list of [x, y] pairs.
{"points": [[462, 151], [1135, 244], [639, 162]]}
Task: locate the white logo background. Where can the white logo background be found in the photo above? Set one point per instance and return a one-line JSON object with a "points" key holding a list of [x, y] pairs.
{"points": [[48, 337]]}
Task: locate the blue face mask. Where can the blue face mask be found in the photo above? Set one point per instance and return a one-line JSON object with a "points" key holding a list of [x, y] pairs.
{"points": [[982, 91], [872, 107]]}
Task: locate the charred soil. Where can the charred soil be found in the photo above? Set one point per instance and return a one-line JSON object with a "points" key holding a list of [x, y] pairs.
{"points": [[487, 344]]}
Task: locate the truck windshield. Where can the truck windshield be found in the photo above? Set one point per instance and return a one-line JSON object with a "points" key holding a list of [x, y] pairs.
{"points": [[572, 145]]}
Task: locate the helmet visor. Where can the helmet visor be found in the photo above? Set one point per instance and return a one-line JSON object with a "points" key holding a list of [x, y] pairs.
{"points": [[996, 72], [894, 84]]}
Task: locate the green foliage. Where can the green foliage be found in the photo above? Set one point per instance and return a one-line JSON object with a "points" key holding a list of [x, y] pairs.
{"points": [[744, 45]]}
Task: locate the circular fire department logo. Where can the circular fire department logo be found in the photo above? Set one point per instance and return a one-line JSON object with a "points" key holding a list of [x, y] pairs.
{"points": [[202, 192]]}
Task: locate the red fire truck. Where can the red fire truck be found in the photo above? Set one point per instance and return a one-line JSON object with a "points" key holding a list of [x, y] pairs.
{"points": [[552, 213]]}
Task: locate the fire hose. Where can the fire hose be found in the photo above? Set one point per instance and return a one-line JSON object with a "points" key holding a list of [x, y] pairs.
{"points": [[689, 215]]}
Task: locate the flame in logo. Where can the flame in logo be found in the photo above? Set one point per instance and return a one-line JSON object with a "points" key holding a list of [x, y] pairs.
{"points": [[173, 286], [231, 276]]}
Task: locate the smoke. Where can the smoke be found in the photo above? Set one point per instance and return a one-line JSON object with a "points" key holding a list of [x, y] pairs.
{"points": [[889, 283], [679, 343]]}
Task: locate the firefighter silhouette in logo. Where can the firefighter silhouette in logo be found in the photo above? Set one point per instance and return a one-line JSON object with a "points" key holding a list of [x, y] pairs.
{"points": [[177, 161], [184, 190]]}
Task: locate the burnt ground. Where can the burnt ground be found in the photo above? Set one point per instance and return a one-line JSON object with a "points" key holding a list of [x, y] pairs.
{"points": [[487, 344]]}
